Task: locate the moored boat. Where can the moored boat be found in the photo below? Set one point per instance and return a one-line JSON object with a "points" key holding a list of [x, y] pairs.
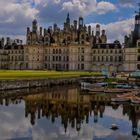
{"points": [[120, 99], [123, 86], [92, 85], [135, 101]]}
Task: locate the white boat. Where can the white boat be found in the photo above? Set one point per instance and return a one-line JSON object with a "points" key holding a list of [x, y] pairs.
{"points": [[93, 85], [123, 86]]}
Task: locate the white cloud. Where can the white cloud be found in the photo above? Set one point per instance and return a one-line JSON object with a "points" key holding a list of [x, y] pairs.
{"points": [[105, 7], [86, 7], [15, 17], [128, 3], [13, 10], [11, 126], [83, 7]]}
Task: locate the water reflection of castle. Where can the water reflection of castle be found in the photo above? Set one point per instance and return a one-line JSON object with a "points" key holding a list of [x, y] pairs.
{"points": [[73, 108]]}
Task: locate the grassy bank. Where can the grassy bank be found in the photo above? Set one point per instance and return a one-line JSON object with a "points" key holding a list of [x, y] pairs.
{"points": [[27, 74], [110, 80]]}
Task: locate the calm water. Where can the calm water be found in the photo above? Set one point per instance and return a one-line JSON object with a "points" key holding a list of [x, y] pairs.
{"points": [[65, 114]]}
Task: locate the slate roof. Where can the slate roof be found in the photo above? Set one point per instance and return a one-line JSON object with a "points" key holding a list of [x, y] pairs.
{"points": [[107, 46]]}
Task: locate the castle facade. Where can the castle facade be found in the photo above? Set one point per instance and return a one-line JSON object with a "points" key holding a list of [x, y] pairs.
{"points": [[75, 47]]}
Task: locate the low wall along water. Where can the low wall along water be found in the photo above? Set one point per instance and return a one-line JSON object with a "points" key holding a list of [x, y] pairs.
{"points": [[17, 84]]}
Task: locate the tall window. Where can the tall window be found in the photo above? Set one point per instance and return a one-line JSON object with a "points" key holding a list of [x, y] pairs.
{"points": [[111, 58], [82, 66], [94, 58], [82, 50], [138, 44], [45, 58], [82, 58], [59, 51], [116, 59], [106, 58], [120, 58], [53, 51], [102, 59], [139, 58], [59, 58], [56, 51], [53, 58], [98, 58]]}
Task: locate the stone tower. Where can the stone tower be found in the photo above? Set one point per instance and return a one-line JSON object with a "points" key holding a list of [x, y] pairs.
{"points": [[136, 34], [34, 26], [103, 37]]}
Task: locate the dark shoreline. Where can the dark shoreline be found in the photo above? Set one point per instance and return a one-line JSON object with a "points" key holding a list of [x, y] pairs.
{"points": [[31, 83]]}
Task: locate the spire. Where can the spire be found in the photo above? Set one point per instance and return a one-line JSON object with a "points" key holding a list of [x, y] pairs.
{"points": [[68, 15], [68, 18], [34, 26], [138, 12], [136, 34]]}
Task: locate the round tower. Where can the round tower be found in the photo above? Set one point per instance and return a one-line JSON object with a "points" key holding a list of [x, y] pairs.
{"points": [[81, 22], [136, 34], [89, 30], [75, 24], [97, 30]]}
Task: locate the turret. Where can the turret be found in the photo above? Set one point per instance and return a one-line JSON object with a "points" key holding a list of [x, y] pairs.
{"points": [[103, 32], [2, 41], [34, 26], [92, 33], [45, 31], [68, 19], [97, 30], [40, 31], [55, 27], [8, 40], [136, 34], [81, 22], [89, 30], [28, 30], [103, 37], [75, 24]]}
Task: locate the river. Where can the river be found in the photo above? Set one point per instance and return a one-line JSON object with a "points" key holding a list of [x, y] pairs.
{"points": [[65, 113]]}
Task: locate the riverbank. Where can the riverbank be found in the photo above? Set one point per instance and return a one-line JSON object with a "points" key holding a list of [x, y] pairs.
{"points": [[31, 83]]}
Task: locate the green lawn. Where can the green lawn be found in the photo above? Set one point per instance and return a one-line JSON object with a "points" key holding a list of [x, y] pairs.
{"points": [[27, 74]]}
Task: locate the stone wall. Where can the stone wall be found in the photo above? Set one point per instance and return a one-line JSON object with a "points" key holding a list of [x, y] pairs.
{"points": [[18, 84]]}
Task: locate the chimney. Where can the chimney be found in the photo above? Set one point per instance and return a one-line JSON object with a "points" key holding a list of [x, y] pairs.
{"points": [[40, 31]]}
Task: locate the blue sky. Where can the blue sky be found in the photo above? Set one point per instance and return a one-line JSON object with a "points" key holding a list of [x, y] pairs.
{"points": [[116, 16]]}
